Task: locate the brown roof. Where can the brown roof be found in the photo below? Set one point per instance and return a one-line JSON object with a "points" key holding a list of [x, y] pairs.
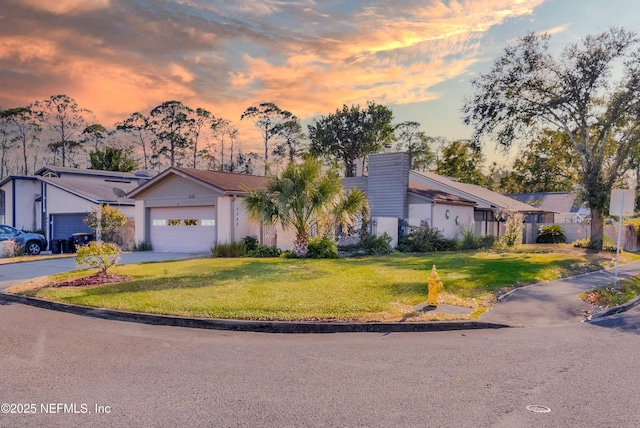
{"points": [[495, 199], [227, 181], [437, 195]]}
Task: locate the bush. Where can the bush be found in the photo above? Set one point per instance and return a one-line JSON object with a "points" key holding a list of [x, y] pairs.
{"points": [[251, 242], [551, 234], [264, 251], [607, 244], [101, 255], [230, 249], [426, 239], [142, 246], [377, 245], [472, 241], [323, 248], [513, 229], [107, 220]]}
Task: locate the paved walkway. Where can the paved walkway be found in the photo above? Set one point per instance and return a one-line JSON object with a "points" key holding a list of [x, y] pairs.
{"points": [[555, 302]]}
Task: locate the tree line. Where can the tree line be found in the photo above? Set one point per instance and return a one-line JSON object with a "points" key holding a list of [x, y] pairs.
{"points": [[57, 131]]}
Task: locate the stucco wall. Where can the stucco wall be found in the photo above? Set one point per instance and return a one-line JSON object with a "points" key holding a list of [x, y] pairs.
{"points": [[388, 225], [62, 202], [25, 209]]}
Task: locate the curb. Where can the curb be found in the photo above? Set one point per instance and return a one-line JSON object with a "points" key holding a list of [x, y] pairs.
{"points": [[617, 309], [252, 326]]}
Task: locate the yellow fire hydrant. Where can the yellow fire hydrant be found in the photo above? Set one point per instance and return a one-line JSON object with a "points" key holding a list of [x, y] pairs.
{"points": [[435, 285]]}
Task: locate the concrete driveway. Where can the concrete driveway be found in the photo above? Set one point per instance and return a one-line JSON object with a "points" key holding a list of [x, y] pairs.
{"points": [[554, 302], [15, 273]]}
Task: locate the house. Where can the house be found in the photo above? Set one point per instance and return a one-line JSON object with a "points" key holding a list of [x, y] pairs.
{"points": [[400, 197], [195, 210], [560, 207], [56, 200]]}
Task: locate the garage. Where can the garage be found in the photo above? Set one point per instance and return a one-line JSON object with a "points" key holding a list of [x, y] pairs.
{"points": [[182, 228], [64, 225]]}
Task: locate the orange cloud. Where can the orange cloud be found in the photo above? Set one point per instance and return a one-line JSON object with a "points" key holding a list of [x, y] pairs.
{"points": [[63, 7], [123, 57]]}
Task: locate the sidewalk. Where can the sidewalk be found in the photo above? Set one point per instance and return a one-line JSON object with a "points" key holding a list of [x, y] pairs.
{"points": [[555, 302]]}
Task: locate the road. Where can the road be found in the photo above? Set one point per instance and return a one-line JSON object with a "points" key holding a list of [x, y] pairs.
{"points": [[169, 376]]}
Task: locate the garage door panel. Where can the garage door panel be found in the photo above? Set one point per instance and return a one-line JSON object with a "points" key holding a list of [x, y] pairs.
{"points": [[182, 228], [64, 225]]}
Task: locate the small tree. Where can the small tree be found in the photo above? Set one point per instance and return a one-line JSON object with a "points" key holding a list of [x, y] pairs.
{"points": [[105, 221], [513, 225], [101, 255], [305, 199]]}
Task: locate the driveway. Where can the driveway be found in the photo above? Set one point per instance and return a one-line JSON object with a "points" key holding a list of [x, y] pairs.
{"points": [[554, 302], [15, 273]]}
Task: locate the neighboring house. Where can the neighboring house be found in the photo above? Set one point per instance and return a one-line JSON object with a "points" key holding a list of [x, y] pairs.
{"points": [[185, 209], [56, 199], [398, 196], [560, 207]]}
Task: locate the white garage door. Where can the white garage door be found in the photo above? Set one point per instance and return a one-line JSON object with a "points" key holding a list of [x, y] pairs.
{"points": [[182, 228]]}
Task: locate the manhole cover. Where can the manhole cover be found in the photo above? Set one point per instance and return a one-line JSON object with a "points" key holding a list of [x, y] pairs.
{"points": [[538, 409]]}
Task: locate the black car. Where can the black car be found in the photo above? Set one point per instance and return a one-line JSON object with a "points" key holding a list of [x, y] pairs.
{"points": [[32, 243]]}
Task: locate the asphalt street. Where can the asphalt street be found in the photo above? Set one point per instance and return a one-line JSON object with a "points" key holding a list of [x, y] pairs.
{"points": [[169, 376], [69, 370]]}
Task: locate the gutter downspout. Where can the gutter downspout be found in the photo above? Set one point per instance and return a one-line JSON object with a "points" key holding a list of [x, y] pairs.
{"points": [[233, 219], [433, 204]]}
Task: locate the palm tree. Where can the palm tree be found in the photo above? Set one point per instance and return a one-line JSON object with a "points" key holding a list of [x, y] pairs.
{"points": [[306, 199]]}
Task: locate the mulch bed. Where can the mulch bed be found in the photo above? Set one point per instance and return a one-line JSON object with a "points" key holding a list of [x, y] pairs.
{"points": [[92, 280]]}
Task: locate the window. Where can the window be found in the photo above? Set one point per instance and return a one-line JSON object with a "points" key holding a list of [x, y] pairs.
{"points": [[159, 222], [190, 222], [175, 222], [207, 222]]}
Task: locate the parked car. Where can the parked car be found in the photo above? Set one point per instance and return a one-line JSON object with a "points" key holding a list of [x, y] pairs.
{"points": [[32, 243]]}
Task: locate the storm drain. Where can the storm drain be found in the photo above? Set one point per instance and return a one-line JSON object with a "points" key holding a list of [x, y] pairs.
{"points": [[538, 409]]}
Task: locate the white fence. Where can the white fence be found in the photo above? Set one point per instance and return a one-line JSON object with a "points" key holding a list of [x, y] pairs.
{"points": [[576, 231]]}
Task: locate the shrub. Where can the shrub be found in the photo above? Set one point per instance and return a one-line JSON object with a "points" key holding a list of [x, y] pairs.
{"points": [[251, 242], [264, 251], [107, 220], [142, 246], [426, 239], [377, 245], [19, 250], [472, 241], [551, 234], [513, 228], [101, 255], [230, 249], [607, 244], [322, 248]]}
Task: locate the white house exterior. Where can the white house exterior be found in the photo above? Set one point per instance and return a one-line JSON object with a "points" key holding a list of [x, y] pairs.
{"points": [[56, 199], [185, 209], [400, 197]]}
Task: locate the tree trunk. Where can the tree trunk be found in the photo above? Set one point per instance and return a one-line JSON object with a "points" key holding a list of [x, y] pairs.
{"points": [[301, 246], [597, 230]]}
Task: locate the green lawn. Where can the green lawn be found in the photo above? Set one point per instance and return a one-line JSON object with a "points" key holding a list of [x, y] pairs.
{"points": [[371, 288]]}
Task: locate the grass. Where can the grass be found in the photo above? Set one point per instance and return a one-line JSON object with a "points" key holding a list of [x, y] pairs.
{"points": [[605, 296], [369, 289]]}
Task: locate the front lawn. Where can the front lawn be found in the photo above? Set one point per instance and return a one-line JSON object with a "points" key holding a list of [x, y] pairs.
{"points": [[371, 288]]}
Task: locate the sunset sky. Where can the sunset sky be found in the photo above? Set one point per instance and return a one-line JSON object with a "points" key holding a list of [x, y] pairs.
{"points": [[116, 57]]}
